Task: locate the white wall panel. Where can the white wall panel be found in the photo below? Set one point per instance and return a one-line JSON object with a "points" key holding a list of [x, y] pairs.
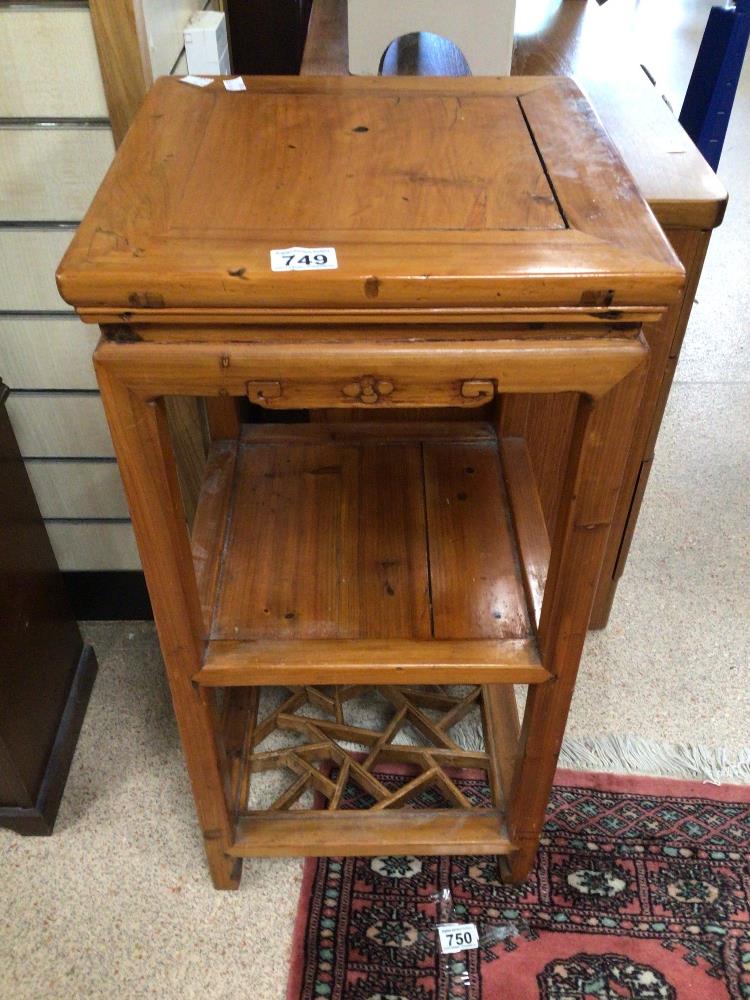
{"points": [[51, 174], [93, 545], [77, 489], [49, 66], [59, 425], [47, 352], [28, 261]]}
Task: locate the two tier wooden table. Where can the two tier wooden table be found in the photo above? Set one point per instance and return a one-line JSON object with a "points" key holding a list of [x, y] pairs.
{"points": [[488, 241]]}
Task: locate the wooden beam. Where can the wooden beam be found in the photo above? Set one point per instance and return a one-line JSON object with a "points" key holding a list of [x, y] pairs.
{"points": [[344, 661], [324, 834], [120, 33]]}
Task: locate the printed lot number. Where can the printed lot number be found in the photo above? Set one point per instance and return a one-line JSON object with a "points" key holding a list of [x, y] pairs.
{"points": [[457, 937], [304, 259]]}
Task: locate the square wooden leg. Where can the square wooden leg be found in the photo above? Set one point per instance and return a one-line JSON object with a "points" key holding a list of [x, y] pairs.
{"points": [[599, 447], [141, 440]]}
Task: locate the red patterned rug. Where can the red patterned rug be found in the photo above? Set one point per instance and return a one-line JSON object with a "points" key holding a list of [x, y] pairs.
{"points": [[641, 891]]}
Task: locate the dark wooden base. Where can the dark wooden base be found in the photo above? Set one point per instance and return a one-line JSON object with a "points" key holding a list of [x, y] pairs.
{"points": [[111, 595], [39, 820]]}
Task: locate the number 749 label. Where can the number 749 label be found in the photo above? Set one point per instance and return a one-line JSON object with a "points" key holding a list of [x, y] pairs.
{"points": [[457, 937], [304, 259]]}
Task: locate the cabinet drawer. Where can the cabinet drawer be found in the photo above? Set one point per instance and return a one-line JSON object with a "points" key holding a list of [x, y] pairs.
{"points": [[60, 425], [47, 352], [77, 489], [372, 391], [49, 66], [51, 174], [28, 261], [97, 545]]}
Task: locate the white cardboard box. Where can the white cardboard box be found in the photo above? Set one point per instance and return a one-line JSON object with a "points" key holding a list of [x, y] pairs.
{"points": [[206, 46]]}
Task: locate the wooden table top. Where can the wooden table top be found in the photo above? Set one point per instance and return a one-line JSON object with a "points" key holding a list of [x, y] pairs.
{"points": [[589, 43], [437, 194]]}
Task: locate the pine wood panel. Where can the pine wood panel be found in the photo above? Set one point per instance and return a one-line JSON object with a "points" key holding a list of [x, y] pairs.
{"points": [[473, 576], [528, 521], [427, 177], [98, 545], [77, 489], [60, 425], [49, 67], [47, 352], [422, 368], [665, 341], [210, 523], [51, 174], [367, 432], [28, 258], [347, 525]]}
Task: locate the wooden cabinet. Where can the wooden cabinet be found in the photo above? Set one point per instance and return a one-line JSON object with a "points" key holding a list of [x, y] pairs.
{"points": [[46, 673], [490, 244]]}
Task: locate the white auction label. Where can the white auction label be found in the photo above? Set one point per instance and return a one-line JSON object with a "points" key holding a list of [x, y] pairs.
{"points": [[304, 259], [197, 81], [458, 937]]}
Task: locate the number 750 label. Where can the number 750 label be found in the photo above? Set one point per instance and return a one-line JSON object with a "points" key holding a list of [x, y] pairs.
{"points": [[457, 937], [304, 259]]}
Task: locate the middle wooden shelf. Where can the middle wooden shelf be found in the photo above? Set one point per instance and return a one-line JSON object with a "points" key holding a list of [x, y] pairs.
{"points": [[353, 552]]}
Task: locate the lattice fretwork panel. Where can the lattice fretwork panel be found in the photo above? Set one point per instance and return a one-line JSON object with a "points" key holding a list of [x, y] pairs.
{"points": [[287, 744]]}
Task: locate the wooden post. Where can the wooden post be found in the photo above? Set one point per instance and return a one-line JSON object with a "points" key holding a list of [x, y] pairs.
{"points": [[601, 439], [141, 439]]}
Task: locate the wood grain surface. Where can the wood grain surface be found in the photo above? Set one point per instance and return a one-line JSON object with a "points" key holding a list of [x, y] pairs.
{"points": [[416, 225], [577, 38]]}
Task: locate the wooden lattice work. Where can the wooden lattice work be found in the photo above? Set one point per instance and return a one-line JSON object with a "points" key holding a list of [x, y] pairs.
{"points": [[324, 761]]}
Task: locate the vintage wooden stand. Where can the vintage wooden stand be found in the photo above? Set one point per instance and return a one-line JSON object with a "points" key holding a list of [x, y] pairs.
{"points": [[489, 241]]}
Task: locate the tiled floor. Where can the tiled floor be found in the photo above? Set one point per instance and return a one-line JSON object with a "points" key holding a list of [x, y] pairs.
{"points": [[117, 904]]}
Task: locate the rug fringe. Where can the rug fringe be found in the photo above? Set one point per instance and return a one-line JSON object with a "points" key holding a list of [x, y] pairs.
{"points": [[630, 754]]}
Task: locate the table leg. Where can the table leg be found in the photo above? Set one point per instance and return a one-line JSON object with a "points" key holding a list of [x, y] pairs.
{"points": [[144, 453], [600, 443]]}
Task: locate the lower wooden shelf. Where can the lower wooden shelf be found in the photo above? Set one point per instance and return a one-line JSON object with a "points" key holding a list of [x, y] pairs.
{"points": [[367, 791], [377, 553], [399, 562]]}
